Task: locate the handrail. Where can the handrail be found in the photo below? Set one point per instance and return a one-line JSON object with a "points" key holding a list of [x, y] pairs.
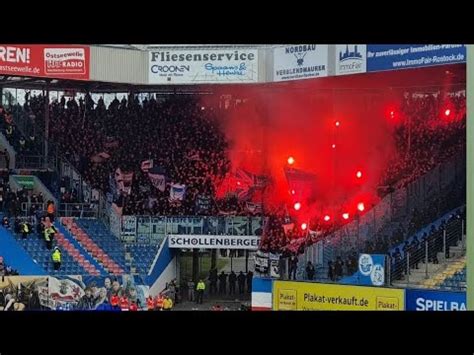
{"points": [[79, 210]]}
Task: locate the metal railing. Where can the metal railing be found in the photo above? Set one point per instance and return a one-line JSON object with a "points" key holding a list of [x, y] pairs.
{"points": [[33, 162], [54, 161], [396, 208], [423, 260], [415, 263], [78, 210], [151, 230]]}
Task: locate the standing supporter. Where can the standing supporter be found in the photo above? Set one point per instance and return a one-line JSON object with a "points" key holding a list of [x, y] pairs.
{"points": [[103, 303], [191, 287], [293, 267], [124, 303], [167, 303], [115, 301], [232, 280], [222, 283], [310, 270], [200, 287], [249, 281], [331, 272], [6, 223], [159, 302], [86, 303], [49, 236], [25, 230], [108, 286], [241, 282], [56, 256], [116, 289], [50, 210], [150, 303], [338, 267], [213, 281]]}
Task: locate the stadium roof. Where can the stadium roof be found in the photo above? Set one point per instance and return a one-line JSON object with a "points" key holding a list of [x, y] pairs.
{"points": [[429, 78]]}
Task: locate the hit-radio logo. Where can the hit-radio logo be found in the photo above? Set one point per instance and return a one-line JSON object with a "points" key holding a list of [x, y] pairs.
{"points": [[64, 61]]}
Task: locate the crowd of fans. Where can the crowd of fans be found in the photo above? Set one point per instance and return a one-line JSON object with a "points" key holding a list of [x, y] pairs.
{"points": [[185, 141], [430, 129], [181, 137]]}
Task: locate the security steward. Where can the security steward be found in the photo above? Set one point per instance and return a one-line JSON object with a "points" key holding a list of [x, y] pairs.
{"points": [[56, 256], [159, 302], [167, 304], [48, 236], [200, 287], [25, 229]]}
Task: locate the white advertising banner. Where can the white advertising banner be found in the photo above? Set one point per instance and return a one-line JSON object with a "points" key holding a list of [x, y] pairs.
{"points": [[129, 228], [351, 59], [301, 61], [207, 66], [182, 241]]}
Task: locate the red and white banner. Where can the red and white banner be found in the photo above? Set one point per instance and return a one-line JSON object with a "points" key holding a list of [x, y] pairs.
{"points": [[55, 61]]}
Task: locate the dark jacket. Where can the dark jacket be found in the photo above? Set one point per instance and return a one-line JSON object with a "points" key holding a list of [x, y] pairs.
{"points": [[86, 303], [232, 277]]}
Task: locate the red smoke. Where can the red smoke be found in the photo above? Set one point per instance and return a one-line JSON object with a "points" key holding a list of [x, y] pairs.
{"points": [[298, 119]]}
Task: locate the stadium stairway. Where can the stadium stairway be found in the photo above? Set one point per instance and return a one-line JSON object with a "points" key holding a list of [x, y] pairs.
{"points": [[16, 256], [456, 282], [34, 246], [143, 256], [138, 258], [447, 278], [110, 255], [92, 263]]}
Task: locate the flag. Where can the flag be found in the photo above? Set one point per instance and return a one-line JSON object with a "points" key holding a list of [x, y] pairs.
{"points": [[226, 186], [288, 227], [303, 183], [261, 262], [100, 157], [203, 203], [177, 192], [274, 265], [244, 184], [158, 181], [147, 165], [123, 181], [254, 207], [314, 233]]}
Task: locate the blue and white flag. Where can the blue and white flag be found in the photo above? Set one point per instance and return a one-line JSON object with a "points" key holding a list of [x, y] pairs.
{"points": [[177, 192]]}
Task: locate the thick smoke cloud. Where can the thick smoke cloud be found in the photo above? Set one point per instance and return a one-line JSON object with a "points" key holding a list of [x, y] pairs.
{"points": [[299, 119]]}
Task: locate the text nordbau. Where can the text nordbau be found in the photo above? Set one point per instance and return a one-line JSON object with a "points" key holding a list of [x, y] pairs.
{"points": [[199, 57]]}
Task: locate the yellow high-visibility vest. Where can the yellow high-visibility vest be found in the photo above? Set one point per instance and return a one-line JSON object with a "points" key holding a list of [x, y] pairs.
{"points": [[57, 256]]}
